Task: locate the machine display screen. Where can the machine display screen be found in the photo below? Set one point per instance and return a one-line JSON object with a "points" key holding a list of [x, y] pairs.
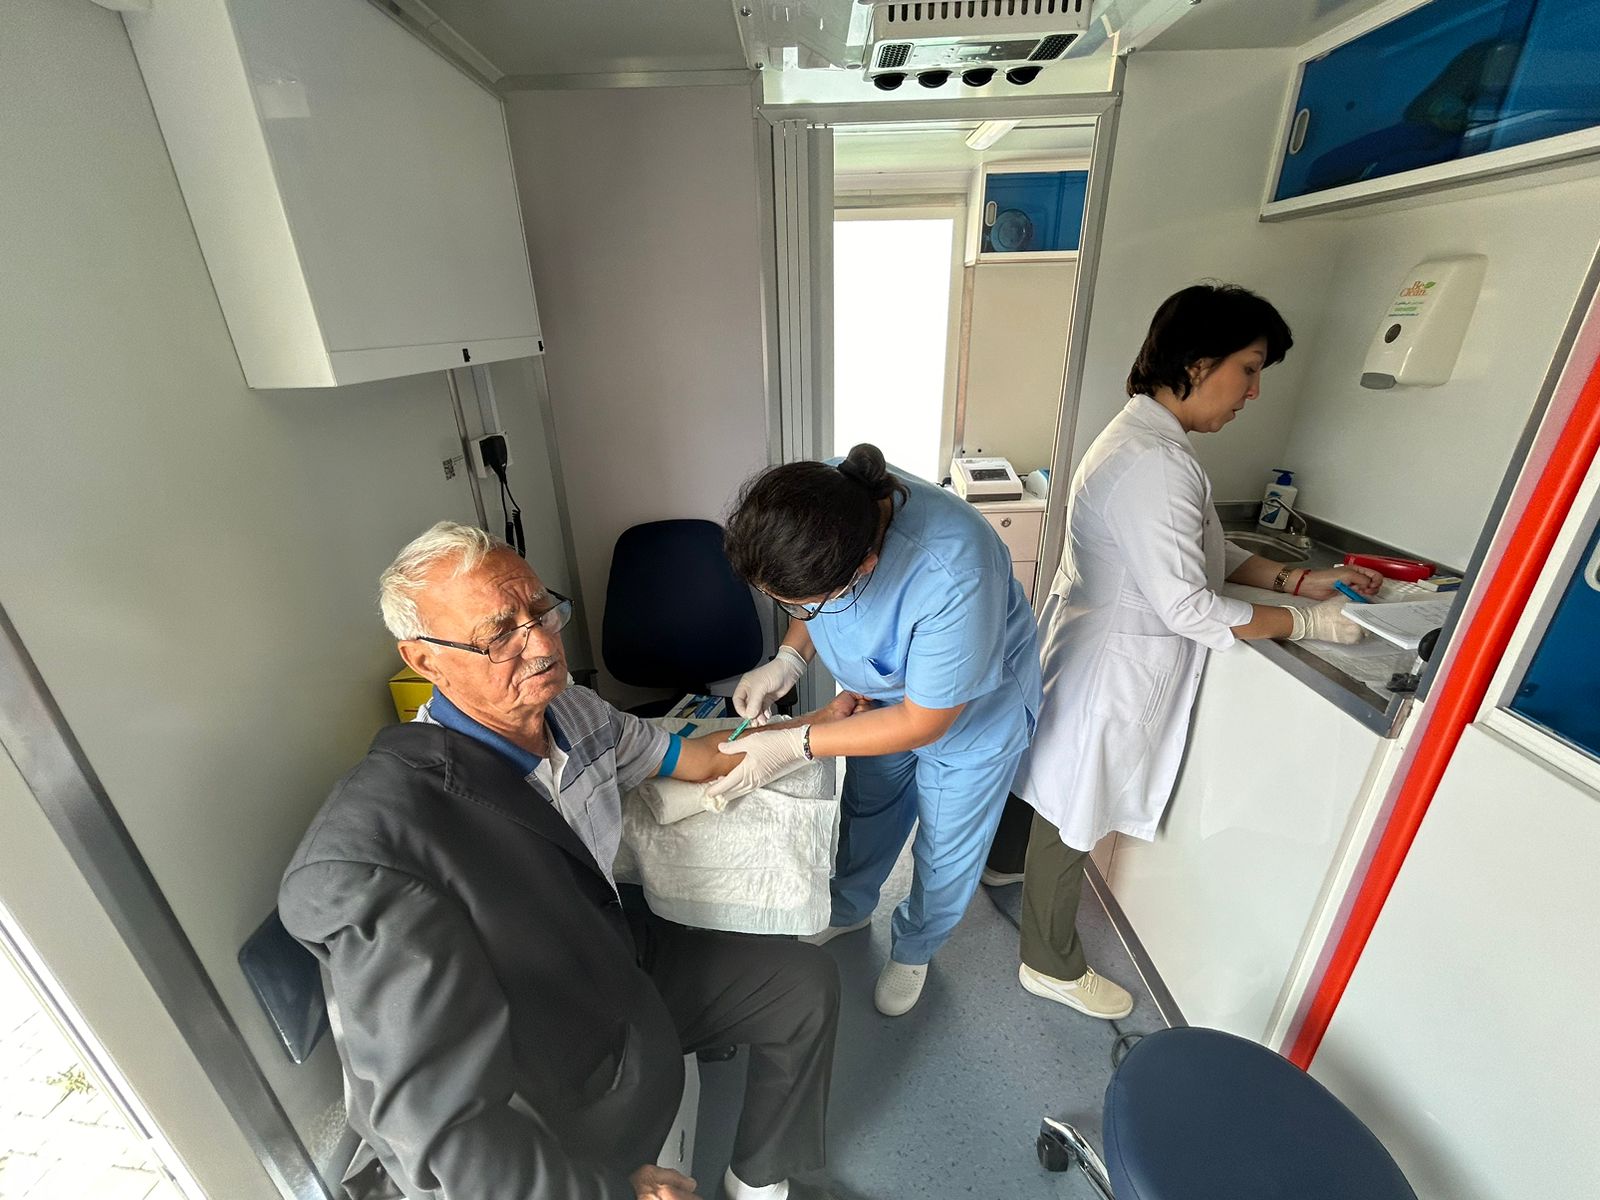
{"points": [[986, 474]]}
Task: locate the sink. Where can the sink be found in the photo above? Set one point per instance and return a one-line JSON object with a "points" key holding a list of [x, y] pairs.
{"points": [[1275, 548]]}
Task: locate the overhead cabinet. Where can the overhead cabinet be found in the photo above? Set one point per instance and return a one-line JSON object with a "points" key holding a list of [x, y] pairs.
{"points": [[1026, 212], [1417, 95], [352, 191]]}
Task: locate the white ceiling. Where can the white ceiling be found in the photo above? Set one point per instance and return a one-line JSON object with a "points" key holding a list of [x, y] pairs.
{"points": [[589, 37], [581, 37], [1257, 24]]}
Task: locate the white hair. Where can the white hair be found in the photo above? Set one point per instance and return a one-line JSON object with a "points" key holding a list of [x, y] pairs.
{"points": [[407, 574]]}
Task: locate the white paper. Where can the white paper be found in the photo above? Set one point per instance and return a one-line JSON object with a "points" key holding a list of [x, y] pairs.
{"points": [[1403, 622]]}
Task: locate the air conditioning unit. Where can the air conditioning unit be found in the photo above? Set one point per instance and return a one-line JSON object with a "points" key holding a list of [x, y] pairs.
{"points": [[937, 40]]}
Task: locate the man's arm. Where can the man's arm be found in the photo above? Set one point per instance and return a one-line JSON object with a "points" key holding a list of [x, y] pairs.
{"points": [[699, 760], [423, 1021]]}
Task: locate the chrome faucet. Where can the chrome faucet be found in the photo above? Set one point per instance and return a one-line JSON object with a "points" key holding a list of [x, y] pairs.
{"points": [[1302, 538]]}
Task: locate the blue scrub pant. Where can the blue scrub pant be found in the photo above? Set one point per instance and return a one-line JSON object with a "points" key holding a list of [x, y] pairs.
{"points": [[956, 802]]}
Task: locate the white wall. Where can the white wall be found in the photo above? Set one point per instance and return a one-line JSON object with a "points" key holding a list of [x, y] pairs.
{"points": [[1186, 183], [1415, 467], [192, 564], [1419, 467], [1466, 1038], [1017, 355], [641, 209]]}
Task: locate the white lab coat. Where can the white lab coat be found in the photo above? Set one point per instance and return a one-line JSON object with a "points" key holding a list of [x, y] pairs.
{"points": [[1125, 629]]}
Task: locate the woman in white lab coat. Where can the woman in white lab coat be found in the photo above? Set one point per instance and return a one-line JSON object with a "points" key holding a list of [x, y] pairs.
{"points": [[1133, 610]]}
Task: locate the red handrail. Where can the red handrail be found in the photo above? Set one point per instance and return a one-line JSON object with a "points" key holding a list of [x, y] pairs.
{"points": [[1458, 697]]}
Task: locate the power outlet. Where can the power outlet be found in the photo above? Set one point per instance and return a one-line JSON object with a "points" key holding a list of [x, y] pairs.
{"points": [[475, 445]]}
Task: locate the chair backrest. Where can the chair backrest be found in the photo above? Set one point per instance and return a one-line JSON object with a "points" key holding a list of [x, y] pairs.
{"points": [[287, 982], [676, 614]]}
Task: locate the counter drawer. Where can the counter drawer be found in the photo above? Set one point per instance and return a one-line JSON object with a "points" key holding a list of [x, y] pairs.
{"points": [[1020, 531]]}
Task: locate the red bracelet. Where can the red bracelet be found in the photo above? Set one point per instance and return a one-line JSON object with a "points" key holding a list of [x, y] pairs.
{"points": [[1298, 582]]}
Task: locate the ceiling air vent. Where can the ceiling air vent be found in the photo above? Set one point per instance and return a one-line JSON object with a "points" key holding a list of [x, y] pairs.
{"points": [[892, 56], [1052, 47], [975, 39]]}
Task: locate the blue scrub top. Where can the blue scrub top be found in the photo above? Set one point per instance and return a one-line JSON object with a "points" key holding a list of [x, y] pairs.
{"points": [[942, 621]]}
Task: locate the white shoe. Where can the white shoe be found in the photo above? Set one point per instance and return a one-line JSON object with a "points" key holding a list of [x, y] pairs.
{"points": [[992, 878], [1091, 994], [898, 988], [833, 931]]}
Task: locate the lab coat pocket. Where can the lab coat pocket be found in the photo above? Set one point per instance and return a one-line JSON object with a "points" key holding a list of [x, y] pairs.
{"points": [[1134, 675]]}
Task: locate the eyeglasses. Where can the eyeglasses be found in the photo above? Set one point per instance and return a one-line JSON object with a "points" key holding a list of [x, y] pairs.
{"points": [[818, 608], [510, 644]]}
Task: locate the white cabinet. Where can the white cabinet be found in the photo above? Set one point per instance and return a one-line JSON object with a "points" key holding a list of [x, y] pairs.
{"points": [[351, 190], [1270, 789], [1020, 524]]}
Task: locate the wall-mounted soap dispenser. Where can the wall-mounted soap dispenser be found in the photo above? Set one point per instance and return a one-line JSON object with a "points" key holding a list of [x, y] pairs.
{"points": [[1422, 329]]}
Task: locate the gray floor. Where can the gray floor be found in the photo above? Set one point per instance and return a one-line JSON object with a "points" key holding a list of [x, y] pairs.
{"points": [[946, 1100]]}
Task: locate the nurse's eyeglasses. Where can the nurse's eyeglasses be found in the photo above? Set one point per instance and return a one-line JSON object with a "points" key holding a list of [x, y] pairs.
{"points": [[850, 594]]}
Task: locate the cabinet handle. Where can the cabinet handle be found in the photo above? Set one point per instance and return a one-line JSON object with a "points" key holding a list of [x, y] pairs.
{"points": [[1591, 573], [1005, 522], [1297, 131], [991, 211]]}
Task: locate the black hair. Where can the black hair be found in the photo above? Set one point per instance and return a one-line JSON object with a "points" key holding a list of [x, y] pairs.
{"points": [[1206, 321], [802, 529]]}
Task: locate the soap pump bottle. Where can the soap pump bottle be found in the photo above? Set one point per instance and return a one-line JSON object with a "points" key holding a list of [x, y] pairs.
{"points": [[1279, 492]]}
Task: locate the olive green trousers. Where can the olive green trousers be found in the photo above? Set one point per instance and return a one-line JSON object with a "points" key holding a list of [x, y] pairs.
{"points": [[1052, 885]]}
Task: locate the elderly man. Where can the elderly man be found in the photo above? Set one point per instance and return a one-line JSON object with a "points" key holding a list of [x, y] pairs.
{"points": [[506, 1028]]}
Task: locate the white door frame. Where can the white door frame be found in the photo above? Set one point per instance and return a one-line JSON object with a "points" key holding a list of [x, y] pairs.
{"points": [[795, 151]]}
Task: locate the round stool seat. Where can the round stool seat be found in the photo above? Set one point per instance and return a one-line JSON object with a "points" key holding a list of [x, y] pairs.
{"points": [[1197, 1114]]}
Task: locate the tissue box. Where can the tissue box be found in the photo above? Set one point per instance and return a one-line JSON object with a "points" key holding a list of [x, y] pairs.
{"points": [[410, 692]]}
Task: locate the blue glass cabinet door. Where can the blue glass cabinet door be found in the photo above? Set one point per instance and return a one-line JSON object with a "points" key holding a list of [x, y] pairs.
{"points": [[1034, 211], [1447, 81], [1561, 690]]}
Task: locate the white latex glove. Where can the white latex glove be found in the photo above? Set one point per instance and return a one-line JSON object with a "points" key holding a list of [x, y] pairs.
{"points": [[767, 755], [760, 688], [1324, 622]]}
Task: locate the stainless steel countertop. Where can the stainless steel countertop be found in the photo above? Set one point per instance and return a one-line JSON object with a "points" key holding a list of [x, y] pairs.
{"points": [[1383, 714]]}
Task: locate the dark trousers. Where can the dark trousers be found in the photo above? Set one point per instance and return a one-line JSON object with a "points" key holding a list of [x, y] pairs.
{"points": [[1009, 850], [778, 996], [1052, 885]]}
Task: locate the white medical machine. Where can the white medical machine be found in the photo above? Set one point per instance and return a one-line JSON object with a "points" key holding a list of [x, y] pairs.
{"points": [[981, 479]]}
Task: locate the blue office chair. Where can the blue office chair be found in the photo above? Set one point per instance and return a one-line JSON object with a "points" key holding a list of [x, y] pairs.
{"points": [[1197, 1114], [677, 616]]}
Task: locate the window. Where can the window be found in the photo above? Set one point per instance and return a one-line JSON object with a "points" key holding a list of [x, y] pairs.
{"points": [[896, 288]]}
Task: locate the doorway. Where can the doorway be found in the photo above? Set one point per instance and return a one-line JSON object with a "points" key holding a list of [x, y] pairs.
{"points": [[69, 1125], [935, 340]]}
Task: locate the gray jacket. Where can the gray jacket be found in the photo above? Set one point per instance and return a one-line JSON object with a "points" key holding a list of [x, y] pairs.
{"points": [[498, 1034]]}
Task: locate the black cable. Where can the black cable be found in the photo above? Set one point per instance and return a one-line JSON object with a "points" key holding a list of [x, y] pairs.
{"points": [[512, 513], [1125, 1042]]}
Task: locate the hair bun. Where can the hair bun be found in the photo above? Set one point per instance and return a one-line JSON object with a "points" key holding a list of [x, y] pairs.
{"points": [[864, 465]]}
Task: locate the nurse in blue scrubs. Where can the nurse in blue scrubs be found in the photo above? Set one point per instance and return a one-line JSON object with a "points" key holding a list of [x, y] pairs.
{"points": [[907, 595]]}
